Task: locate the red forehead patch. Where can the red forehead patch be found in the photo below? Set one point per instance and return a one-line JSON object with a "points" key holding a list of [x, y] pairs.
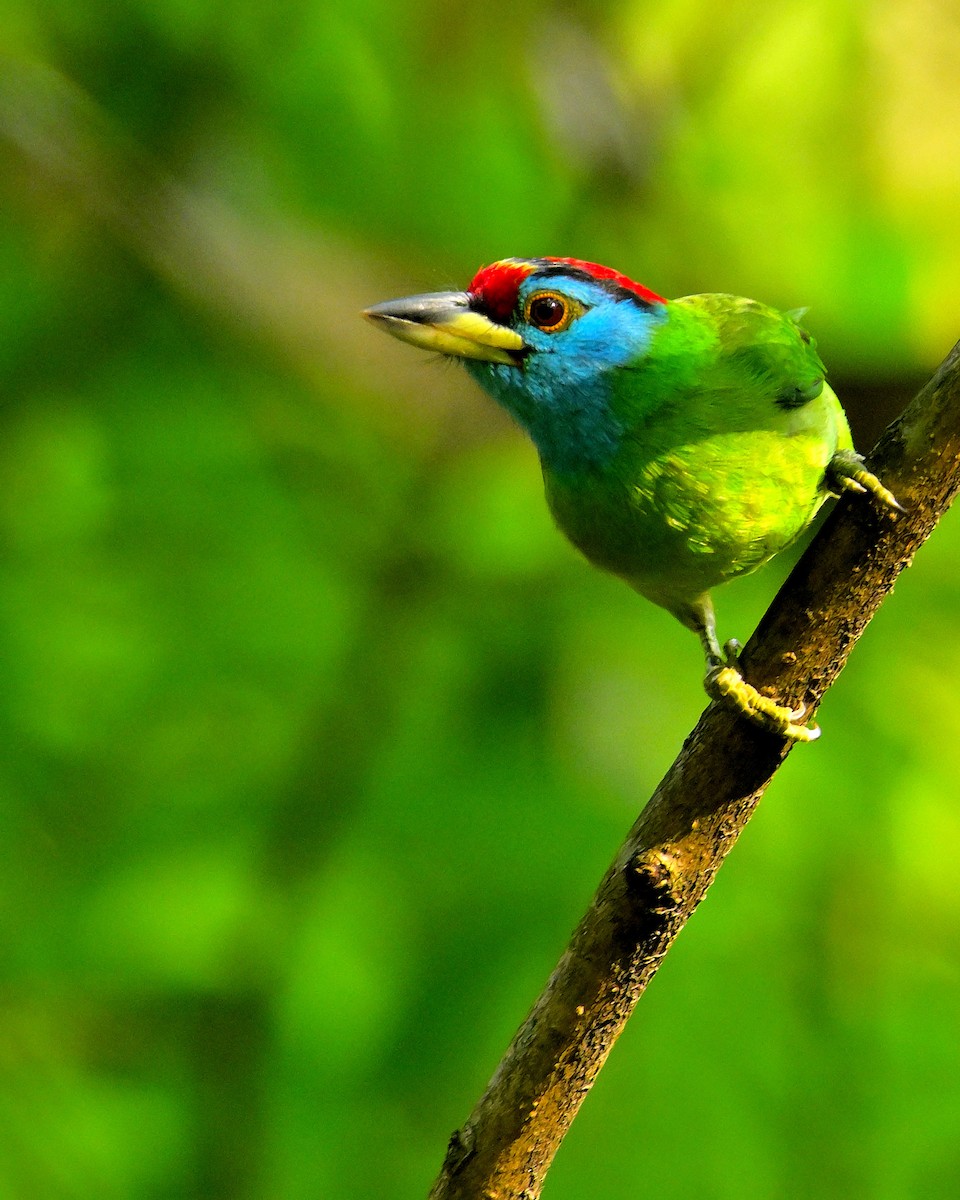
{"points": [[497, 285]]}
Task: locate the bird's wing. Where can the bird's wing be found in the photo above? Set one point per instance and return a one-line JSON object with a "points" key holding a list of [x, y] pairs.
{"points": [[757, 348]]}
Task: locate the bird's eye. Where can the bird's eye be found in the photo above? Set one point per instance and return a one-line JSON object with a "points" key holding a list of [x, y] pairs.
{"points": [[550, 312]]}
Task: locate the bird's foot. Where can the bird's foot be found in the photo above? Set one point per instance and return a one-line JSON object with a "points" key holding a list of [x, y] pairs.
{"points": [[847, 471], [724, 682]]}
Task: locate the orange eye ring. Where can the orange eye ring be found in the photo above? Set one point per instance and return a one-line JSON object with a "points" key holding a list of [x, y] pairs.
{"points": [[550, 312]]}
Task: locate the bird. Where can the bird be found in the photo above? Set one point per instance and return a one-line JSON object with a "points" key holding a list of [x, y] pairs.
{"points": [[682, 442]]}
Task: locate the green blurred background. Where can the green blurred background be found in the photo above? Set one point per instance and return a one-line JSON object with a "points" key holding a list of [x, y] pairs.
{"points": [[316, 736]]}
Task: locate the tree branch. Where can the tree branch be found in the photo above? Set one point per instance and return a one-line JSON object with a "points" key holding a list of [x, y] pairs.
{"points": [[679, 841]]}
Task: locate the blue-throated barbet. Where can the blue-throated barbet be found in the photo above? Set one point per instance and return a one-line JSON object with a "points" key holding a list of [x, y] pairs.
{"points": [[683, 442]]}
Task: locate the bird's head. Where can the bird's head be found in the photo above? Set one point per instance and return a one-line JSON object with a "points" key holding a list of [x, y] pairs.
{"points": [[546, 337]]}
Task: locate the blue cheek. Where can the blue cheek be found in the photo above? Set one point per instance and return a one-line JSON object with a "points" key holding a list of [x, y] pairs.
{"points": [[609, 335], [561, 395]]}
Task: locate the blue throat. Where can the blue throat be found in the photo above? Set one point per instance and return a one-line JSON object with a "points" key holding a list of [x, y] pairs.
{"points": [[573, 431], [563, 393]]}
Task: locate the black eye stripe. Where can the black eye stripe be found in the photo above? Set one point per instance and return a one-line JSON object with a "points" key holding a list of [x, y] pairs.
{"points": [[608, 285]]}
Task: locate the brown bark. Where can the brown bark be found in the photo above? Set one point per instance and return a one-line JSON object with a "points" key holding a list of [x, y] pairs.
{"points": [[669, 859]]}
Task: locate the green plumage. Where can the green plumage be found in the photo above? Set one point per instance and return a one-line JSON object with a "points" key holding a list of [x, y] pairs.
{"points": [[729, 432]]}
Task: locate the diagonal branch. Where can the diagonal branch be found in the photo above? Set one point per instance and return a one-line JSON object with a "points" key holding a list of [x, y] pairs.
{"points": [[679, 841]]}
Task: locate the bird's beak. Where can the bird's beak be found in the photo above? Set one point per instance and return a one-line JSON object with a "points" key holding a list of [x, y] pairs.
{"points": [[445, 322]]}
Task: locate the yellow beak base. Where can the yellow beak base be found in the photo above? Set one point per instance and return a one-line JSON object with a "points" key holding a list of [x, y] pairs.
{"points": [[446, 323]]}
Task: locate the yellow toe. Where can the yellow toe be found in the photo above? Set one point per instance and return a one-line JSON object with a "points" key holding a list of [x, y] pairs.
{"points": [[726, 683]]}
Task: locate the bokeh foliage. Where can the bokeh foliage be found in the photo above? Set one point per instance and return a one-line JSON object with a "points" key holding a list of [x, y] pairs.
{"points": [[316, 736]]}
